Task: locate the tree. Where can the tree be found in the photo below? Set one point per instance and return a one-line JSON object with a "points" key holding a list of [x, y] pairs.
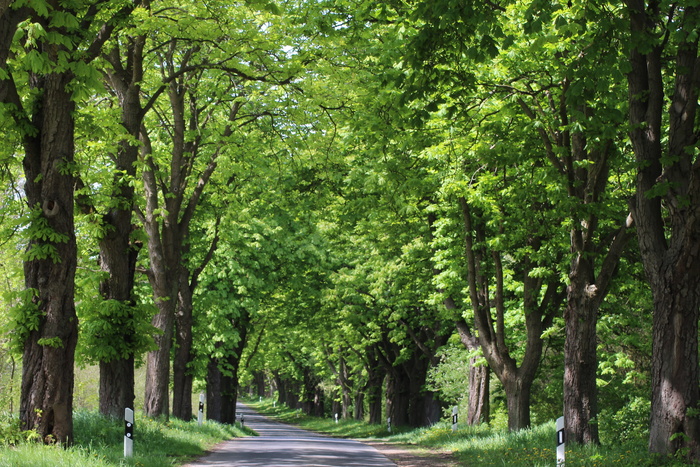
{"points": [[119, 249], [52, 43], [576, 116], [664, 62]]}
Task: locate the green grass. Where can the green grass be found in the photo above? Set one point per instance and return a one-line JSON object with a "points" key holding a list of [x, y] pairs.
{"points": [[99, 443], [477, 446]]}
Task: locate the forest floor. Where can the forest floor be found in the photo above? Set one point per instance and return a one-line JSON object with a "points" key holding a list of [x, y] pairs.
{"points": [[404, 455]]}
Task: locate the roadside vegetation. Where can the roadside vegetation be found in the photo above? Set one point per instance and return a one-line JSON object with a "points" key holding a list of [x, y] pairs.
{"points": [[99, 442], [479, 445]]}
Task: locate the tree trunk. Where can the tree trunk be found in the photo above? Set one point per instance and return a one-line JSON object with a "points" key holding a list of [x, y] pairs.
{"points": [[540, 303], [156, 399], [479, 404], [214, 401], [116, 386], [667, 215], [118, 254], [359, 407], [479, 407], [118, 259], [398, 397], [518, 402], [47, 376], [222, 386], [182, 378], [581, 363], [674, 379]]}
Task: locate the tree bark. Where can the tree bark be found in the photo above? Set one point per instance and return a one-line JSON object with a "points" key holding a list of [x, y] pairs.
{"points": [[222, 377], [478, 409], [46, 403], [182, 378], [117, 252], [374, 386], [667, 215]]}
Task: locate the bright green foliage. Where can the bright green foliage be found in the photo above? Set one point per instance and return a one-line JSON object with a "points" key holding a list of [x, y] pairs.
{"points": [[104, 323], [24, 317], [41, 236]]}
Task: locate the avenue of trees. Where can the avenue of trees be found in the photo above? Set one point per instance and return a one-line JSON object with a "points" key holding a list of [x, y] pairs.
{"points": [[377, 209]]}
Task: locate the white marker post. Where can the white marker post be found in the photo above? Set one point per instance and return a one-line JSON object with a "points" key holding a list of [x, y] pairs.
{"points": [[454, 418], [336, 418], [200, 414], [128, 433], [561, 450], [388, 424]]}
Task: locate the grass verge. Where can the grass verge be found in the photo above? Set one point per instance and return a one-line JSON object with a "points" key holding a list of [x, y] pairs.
{"points": [[99, 442], [477, 446]]}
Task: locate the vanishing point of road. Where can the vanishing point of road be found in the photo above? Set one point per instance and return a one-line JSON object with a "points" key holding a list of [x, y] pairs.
{"points": [[281, 445]]}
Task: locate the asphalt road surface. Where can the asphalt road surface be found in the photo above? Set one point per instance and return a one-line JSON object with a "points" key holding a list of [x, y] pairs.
{"points": [[281, 445]]}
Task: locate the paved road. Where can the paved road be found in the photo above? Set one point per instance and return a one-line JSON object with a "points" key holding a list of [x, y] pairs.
{"points": [[281, 445]]}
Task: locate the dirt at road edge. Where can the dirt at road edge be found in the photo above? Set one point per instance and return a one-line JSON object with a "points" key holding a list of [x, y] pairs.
{"points": [[404, 455]]}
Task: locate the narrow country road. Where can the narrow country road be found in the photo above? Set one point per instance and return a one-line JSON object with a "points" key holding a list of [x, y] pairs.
{"points": [[281, 445]]}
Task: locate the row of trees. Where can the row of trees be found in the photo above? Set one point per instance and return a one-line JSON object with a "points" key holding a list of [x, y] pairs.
{"points": [[338, 192]]}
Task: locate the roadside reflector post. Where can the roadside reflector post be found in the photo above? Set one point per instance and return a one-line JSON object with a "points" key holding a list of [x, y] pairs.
{"points": [[454, 418], [200, 414], [561, 450], [128, 432], [336, 418]]}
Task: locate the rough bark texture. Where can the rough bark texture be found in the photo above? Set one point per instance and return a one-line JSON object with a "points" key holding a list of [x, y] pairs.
{"points": [[182, 379], [47, 376], [667, 215], [46, 403], [117, 252], [478, 410], [580, 366]]}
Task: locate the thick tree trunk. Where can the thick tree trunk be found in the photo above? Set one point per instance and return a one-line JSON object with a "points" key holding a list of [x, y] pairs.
{"points": [[668, 220], [345, 386], [229, 392], [182, 378], [222, 388], [116, 386], [118, 260], [165, 257], [359, 407], [118, 254], [518, 402], [674, 382], [581, 363], [156, 400], [214, 401], [398, 397], [309, 399], [375, 385], [46, 403], [479, 407]]}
